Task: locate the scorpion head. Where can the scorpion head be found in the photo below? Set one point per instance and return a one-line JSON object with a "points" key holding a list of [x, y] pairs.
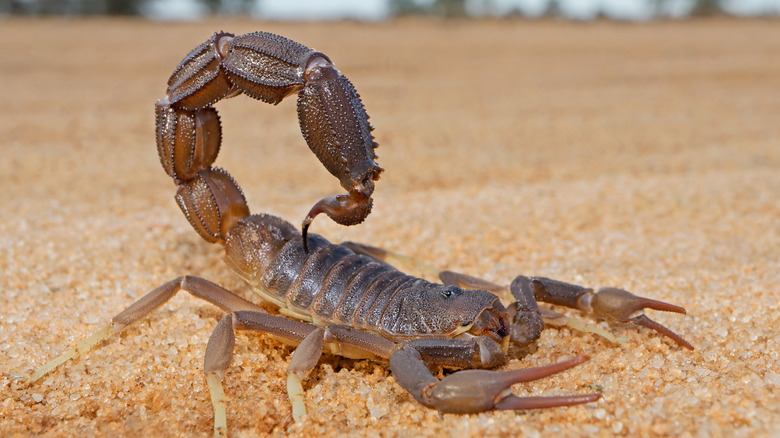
{"points": [[428, 309], [470, 311]]}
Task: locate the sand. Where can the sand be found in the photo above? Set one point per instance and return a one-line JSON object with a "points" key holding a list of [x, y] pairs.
{"points": [[643, 156]]}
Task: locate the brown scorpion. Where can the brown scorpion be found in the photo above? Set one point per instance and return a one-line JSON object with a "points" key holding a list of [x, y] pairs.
{"points": [[342, 299]]}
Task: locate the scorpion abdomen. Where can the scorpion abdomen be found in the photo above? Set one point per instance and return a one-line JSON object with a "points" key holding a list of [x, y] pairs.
{"points": [[329, 300], [377, 297], [328, 285], [311, 278], [356, 291], [331, 284]]}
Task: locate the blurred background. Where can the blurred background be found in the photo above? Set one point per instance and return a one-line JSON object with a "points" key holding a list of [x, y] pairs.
{"points": [[373, 10], [601, 142]]}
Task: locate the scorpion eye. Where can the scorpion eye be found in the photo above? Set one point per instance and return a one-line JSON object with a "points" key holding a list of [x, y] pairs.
{"points": [[449, 291]]}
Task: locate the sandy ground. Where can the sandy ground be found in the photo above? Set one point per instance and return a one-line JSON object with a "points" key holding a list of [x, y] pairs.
{"points": [[642, 156]]}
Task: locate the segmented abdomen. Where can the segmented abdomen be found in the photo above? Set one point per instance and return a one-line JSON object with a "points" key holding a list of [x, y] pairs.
{"points": [[329, 285]]}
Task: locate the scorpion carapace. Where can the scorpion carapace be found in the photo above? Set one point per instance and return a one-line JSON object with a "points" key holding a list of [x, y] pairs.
{"points": [[343, 299]]}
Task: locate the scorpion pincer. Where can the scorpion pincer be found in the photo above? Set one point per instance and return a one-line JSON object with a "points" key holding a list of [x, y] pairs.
{"points": [[343, 299]]}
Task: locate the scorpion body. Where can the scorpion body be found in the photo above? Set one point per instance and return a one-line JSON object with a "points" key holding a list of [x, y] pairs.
{"points": [[331, 284], [343, 299]]}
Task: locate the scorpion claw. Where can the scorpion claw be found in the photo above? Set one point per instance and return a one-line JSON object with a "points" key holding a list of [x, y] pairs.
{"points": [[649, 323], [627, 307], [472, 391], [513, 402]]}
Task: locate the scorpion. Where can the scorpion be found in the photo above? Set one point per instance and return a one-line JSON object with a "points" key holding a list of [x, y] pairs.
{"points": [[341, 299]]}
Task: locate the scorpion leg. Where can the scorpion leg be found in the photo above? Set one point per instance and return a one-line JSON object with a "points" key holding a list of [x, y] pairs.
{"points": [[196, 286], [303, 360], [451, 278], [219, 354], [218, 351], [474, 390], [311, 341]]}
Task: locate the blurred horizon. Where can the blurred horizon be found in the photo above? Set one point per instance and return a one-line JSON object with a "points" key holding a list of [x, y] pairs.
{"points": [[377, 10]]}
